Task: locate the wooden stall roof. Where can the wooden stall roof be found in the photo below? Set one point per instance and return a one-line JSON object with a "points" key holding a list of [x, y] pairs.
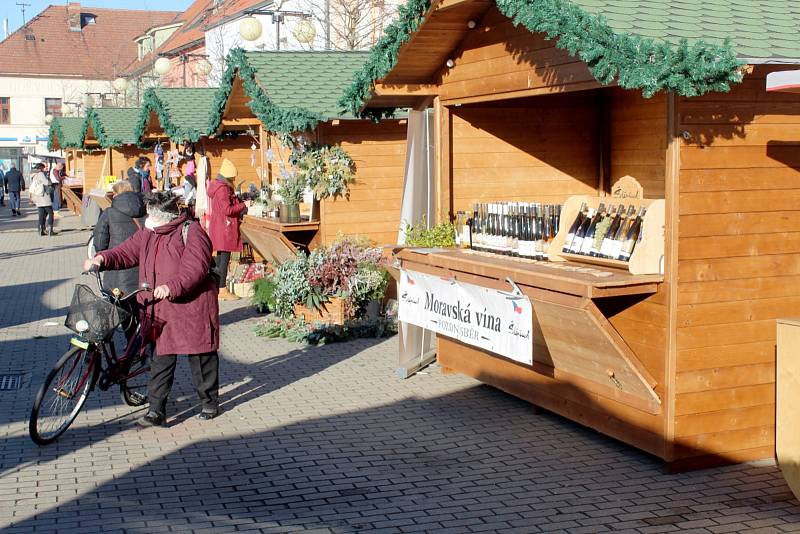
{"points": [[565, 277], [66, 132], [110, 127], [414, 50], [286, 91], [177, 113]]}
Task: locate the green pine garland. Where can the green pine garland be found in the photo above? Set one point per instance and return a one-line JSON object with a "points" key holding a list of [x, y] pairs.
{"points": [[56, 133], [274, 118], [151, 103], [104, 140], [635, 62], [383, 58]]}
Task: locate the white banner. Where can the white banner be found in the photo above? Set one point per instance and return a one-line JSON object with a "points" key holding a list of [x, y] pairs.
{"points": [[493, 320]]}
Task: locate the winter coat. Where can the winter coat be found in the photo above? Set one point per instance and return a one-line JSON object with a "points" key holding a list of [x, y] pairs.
{"points": [[44, 200], [188, 321], [224, 212], [140, 184], [115, 225], [14, 181]]}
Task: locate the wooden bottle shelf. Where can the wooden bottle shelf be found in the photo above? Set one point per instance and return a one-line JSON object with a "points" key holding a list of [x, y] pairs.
{"points": [[648, 255]]}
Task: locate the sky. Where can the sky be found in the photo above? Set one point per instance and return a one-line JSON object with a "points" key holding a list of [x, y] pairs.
{"points": [[10, 10]]}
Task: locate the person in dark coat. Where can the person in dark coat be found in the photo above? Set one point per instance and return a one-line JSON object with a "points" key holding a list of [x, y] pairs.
{"points": [[2, 186], [139, 176], [115, 225], [173, 254], [224, 213], [15, 184]]}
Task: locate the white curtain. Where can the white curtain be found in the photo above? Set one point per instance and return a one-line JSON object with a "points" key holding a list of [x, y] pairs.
{"points": [[418, 189], [417, 344], [201, 200]]}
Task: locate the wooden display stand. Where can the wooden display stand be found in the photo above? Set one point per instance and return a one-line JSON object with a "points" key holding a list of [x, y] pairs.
{"points": [[276, 241], [648, 255]]}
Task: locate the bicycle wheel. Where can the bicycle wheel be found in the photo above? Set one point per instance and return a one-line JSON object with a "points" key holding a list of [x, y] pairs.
{"points": [[133, 389], [63, 394]]}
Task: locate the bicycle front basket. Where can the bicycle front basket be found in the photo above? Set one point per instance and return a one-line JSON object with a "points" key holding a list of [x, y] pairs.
{"points": [[101, 315]]}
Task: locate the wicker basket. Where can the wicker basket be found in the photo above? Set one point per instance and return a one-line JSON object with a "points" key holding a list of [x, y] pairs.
{"points": [[331, 312]]}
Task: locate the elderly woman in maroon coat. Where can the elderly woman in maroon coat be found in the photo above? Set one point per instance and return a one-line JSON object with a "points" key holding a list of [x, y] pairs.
{"points": [[173, 254]]}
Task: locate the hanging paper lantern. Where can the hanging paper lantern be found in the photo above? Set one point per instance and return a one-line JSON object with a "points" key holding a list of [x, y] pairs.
{"points": [[304, 31], [163, 65], [203, 67], [120, 84], [48, 118], [250, 28]]}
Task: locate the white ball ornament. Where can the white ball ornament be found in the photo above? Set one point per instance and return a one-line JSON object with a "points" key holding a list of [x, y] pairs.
{"points": [[250, 29], [163, 65]]}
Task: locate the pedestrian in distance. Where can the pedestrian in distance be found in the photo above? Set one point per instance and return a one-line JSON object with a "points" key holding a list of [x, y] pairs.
{"points": [[41, 196], [120, 221], [2, 185], [57, 178], [15, 185], [224, 212], [139, 176], [173, 254]]}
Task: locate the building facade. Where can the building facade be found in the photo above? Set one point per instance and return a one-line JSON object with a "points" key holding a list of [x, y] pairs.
{"points": [[62, 62]]}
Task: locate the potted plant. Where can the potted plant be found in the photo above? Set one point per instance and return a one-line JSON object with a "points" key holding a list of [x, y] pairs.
{"points": [[291, 189]]}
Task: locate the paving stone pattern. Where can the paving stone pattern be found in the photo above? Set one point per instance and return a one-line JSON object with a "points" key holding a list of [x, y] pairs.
{"points": [[325, 440]]}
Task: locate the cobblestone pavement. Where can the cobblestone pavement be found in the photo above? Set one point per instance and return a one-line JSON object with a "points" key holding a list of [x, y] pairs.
{"points": [[325, 440]]}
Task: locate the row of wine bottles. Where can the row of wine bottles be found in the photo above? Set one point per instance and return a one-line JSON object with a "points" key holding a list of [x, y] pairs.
{"points": [[605, 234], [519, 229]]}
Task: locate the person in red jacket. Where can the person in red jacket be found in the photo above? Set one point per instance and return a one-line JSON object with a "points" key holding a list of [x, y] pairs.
{"points": [[225, 211], [173, 254]]}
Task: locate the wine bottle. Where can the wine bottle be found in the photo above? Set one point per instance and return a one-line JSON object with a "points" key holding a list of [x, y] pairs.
{"points": [[547, 232], [574, 228], [616, 245], [580, 234], [608, 241], [588, 239], [527, 233], [632, 236], [601, 232]]}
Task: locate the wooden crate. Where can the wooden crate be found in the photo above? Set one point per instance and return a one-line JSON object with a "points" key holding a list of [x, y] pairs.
{"points": [[331, 312]]}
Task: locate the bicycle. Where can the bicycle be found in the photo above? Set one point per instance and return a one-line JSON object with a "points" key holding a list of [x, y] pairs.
{"points": [[92, 360]]}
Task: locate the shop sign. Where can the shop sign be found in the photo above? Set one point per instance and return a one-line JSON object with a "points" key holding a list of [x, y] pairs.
{"points": [[27, 140], [492, 320]]}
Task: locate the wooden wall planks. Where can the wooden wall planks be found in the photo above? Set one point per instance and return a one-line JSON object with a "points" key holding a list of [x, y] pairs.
{"points": [[739, 270], [373, 209]]}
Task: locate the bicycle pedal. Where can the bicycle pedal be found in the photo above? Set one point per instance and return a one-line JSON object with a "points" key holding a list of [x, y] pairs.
{"points": [[138, 397]]}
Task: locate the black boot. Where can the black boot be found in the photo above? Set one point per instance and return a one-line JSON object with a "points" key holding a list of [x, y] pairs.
{"points": [[152, 419], [41, 230], [51, 232]]}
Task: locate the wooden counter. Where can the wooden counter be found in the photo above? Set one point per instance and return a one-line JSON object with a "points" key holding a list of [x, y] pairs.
{"points": [[583, 367], [277, 241]]}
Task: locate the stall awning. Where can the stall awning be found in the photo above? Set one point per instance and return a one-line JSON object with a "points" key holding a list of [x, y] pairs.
{"points": [[786, 81]]}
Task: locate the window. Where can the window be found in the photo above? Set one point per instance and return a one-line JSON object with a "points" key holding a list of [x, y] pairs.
{"points": [[52, 106], [5, 110]]}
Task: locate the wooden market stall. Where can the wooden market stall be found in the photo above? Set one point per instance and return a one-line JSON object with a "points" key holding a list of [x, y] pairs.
{"points": [[111, 146], [680, 361], [66, 135], [271, 94], [171, 116]]}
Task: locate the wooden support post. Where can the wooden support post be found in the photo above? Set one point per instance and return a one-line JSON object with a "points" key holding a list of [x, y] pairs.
{"points": [[444, 150], [671, 193]]}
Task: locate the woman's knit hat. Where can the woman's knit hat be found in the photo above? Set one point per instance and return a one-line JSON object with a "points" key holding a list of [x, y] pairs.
{"points": [[227, 169]]}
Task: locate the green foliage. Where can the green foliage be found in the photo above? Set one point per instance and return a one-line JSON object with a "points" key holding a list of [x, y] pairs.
{"points": [[264, 293], [327, 170], [292, 286], [635, 62], [367, 284], [297, 331], [291, 188], [274, 118], [440, 235], [66, 138]]}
